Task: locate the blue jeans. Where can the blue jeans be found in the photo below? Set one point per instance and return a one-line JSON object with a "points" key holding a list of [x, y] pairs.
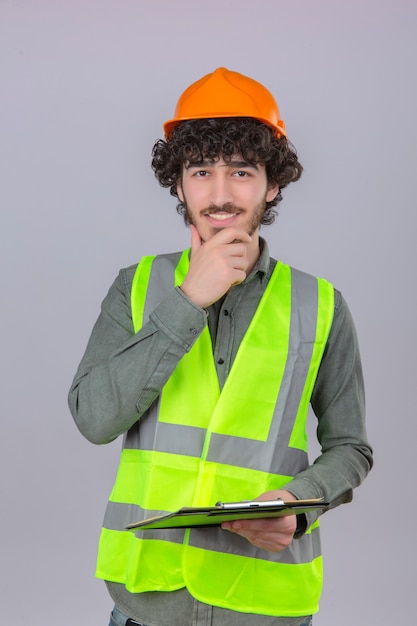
{"points": [[117, 618]]}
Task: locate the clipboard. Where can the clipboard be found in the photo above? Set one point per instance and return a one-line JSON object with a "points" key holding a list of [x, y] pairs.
{"points": [[189, 517]]}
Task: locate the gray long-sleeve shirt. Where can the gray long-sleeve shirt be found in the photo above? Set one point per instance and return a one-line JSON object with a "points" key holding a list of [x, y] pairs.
{"points": [[121, 374]]}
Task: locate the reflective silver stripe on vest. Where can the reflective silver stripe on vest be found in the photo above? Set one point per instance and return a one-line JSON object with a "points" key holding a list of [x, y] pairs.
{"points": [[119, 515], [149, 434], [162, 276], [302, 550], [273, 455], [144, 434]]}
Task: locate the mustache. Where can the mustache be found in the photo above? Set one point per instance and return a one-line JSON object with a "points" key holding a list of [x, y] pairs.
{"points": [[228, 207]]}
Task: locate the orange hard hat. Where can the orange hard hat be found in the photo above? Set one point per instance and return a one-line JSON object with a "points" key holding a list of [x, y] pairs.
{"points": [[226, 94]]}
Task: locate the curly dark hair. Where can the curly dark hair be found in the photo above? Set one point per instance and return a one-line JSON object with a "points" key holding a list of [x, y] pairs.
{"points": [[193, 141]]}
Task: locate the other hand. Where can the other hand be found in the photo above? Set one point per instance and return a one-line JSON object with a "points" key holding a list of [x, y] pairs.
{"points": [[274, 533]]}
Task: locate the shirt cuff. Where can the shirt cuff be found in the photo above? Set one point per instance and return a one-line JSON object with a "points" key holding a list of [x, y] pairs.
{"points": [[304, 489], [179, 318]]}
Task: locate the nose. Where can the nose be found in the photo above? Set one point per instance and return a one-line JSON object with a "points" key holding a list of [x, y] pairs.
{"points": [[220, 190]]}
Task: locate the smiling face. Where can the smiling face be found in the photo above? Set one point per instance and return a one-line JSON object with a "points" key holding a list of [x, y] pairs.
{"points": [[218, 195]]}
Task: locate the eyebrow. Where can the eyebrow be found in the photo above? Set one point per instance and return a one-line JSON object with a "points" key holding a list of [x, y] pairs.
{"points": [[209, 163]]}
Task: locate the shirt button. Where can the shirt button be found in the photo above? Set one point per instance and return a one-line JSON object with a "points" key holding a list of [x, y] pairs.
{"points": [[220, 361], [226, 312], [194, 331]]}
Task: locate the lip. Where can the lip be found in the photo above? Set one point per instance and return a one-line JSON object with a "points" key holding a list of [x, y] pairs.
{"points": [[221, 218]]}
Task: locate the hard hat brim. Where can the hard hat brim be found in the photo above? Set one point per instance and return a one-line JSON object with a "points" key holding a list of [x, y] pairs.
{"points": [[169, 125]]}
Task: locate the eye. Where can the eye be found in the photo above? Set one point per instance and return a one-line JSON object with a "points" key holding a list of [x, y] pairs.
{"points": [[241, 174], [201, 173]]}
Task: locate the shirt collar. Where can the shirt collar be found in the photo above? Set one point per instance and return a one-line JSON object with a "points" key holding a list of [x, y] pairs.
{"points": [[262, 264]]}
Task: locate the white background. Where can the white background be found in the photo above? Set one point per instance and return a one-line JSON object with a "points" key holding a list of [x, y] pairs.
{"points": [[84, 88]]}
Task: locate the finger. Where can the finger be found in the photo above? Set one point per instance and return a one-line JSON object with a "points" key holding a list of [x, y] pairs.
{"points": [[284, 525], [229, 236], [237, 249], [195, 239], [272, 542]]}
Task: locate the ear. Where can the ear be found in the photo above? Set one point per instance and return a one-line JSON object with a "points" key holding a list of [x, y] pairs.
{"points": [[179, 191], [272, 192]]}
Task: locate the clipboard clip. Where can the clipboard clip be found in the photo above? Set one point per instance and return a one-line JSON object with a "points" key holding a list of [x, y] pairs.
{"points": [[253, 504]]}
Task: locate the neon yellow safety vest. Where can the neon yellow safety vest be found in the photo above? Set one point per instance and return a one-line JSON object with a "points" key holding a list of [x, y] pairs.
{"points": [[197, 445]]}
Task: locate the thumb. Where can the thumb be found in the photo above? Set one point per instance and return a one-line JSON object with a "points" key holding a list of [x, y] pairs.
{"points": [[195, 239]]}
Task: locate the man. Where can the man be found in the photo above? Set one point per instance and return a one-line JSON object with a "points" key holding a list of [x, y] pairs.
{"points": [[206, 361]]}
